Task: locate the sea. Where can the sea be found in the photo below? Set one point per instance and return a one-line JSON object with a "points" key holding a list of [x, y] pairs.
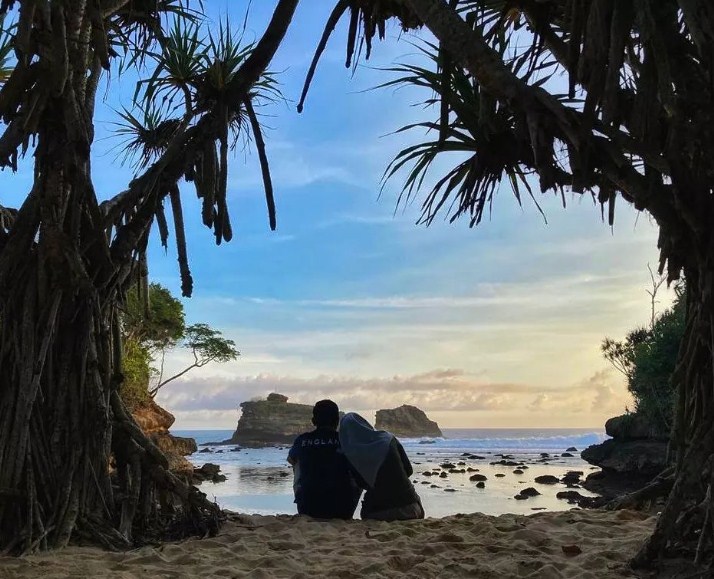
{"points": [[259, 480]]}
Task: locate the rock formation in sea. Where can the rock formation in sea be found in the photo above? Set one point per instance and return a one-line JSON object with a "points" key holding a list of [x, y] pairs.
{"points": [[634, 455], [155, 422], [269, 422], [406, 422]]}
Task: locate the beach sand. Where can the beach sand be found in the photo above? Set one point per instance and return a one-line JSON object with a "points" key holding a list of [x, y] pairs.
{"points": [[471, 545]]}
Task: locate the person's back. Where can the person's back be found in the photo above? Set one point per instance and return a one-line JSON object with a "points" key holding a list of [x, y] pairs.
{"points": [[382, 468], [324, 487], [393, 494]]}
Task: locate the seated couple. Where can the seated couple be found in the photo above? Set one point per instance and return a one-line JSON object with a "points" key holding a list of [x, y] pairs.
{"points": [[332, 469]]}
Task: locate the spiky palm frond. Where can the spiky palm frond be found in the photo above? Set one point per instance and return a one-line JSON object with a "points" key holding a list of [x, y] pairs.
{"points": [[178, 66], [145, 134], [135, 29], [198, 67], [472, 128], [225, 54]]}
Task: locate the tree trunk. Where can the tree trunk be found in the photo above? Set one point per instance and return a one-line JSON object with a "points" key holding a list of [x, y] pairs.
{"points": [[62, 422], [684, 519]]}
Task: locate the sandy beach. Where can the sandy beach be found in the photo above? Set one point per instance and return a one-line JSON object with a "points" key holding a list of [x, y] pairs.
{"points": [[471, 545]]}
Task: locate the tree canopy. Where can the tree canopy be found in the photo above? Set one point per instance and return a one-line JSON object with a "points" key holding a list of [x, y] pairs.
{"points": [[154, 325], [647, 357]]}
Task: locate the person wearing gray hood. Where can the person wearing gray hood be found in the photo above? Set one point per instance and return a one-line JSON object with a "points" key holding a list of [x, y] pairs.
{"points": [[382, 468]]}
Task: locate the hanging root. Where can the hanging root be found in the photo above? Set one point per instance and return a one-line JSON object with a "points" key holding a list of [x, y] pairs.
{"points": [[659, 488], [684, 527], [170, 508]]}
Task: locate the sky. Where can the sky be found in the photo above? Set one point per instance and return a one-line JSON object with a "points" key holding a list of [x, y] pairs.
{"points": [[496, 326]]}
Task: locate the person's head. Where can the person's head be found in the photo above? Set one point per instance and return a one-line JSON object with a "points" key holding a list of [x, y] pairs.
{"points": [[352, 420], [325, 414]]}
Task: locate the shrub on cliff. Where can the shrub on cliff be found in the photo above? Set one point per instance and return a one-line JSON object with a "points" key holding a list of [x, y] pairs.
{"points": [[153, 325], [647, 357]]}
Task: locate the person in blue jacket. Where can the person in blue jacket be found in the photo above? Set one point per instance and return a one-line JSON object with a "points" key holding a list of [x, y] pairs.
{"points": [[323, 482]]}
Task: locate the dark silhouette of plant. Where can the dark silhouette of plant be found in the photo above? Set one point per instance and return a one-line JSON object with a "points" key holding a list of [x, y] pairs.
{"points": [[67, 260], [634, 122], [648, 357]]}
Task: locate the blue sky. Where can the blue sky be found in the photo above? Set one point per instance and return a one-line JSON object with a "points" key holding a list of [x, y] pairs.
{"points": [[487, 327]]}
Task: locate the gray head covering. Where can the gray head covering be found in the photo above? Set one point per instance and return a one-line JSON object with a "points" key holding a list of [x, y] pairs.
{"points": [[365, 447]]}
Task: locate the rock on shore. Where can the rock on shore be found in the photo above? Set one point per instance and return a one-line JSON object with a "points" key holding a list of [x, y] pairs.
{"points": [[407, 422], [634, 455]]}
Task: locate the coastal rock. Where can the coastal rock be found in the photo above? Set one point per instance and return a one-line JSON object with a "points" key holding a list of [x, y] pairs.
{"points": [[570, 496], [271, 422], [478, 477], [407, 422], [547, 479], [571, 550], [155, 422], [642, 457], [633, 427], [526, 494], [208, 472], [635, 454]]}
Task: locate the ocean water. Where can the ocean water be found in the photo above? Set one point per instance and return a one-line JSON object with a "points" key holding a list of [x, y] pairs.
{"points": [[260, 479]]}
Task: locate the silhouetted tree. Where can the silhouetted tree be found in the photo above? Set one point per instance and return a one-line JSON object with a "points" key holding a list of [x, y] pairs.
{"points": [[635, 121], [66, 260]]}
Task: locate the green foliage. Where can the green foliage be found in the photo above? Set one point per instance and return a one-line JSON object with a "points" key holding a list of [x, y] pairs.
{"points": [[647, 357], [160, 326], [154, 326], [136, 367], [209, 345]]}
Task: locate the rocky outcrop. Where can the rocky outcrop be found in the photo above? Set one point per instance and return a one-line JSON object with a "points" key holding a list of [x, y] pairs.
{"points": [[643, 457], [155, 422], [407, 422], [634, 455], [635, 447], [270, 422], [633, 427]]}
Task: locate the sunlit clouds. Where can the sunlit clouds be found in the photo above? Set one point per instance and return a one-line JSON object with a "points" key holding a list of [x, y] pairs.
{"points": [[499, 325]]}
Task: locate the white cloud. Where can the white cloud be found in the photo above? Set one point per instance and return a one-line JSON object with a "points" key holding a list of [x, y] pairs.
{"points": [[441, 391]]}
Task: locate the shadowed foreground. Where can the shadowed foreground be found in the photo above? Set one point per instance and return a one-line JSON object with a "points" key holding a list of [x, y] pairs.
{"points": [[460, 546]]}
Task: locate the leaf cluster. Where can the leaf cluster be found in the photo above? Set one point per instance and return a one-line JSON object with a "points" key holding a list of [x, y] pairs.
{"points": [[155, 323], [648, 357]]}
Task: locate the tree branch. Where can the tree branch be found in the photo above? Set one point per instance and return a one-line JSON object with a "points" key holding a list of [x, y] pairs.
{"points": [[156, 388], [469, 47], [259, 59], [169, 168]]}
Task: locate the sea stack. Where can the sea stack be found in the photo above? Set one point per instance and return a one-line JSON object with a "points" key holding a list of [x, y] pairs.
{"points": [[406, 422], [271, 422]]}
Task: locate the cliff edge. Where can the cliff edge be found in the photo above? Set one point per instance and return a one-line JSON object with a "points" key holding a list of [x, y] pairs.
{"points": [[155, 422]]}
